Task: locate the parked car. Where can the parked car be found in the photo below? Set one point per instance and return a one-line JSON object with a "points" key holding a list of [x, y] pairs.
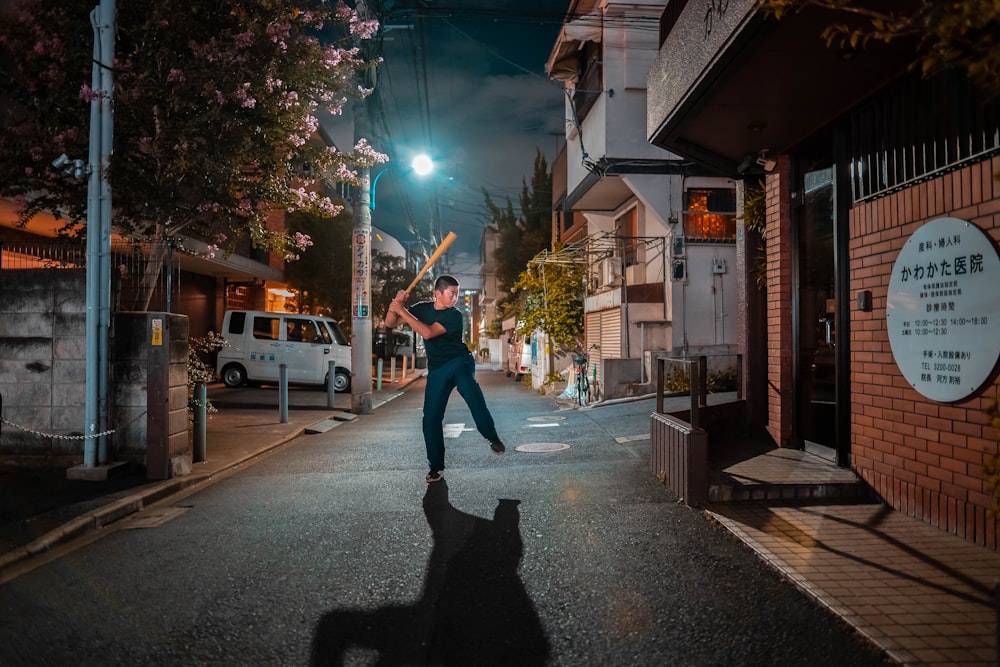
{"points": [[259, 342]]}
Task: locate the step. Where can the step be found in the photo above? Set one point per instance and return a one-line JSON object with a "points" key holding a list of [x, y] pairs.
{"points": [[840, 492]]}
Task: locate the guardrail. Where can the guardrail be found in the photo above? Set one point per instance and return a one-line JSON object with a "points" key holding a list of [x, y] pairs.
{"points": [[679, 452]]}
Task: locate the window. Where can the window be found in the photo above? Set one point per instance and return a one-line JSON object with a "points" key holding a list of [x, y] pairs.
{"points": [[710, 214], [627, 230], [266, 328], [591, 82], [237, 321]]}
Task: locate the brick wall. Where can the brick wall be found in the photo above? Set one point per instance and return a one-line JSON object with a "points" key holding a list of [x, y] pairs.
{"points": [[922, 457], [780, 401]]}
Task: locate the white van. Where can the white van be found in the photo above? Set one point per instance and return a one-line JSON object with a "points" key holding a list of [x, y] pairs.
{"points": [[259, 342], [519, 356]]}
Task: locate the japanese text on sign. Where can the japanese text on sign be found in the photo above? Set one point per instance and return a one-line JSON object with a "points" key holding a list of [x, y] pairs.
{"points": [[941, 309]]}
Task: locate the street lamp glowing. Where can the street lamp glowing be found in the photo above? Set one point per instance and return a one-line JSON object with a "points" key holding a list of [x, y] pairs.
{"points": [[422, 165]]}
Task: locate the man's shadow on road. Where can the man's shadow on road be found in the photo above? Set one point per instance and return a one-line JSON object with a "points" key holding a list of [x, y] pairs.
{"points": [[473, 610]]}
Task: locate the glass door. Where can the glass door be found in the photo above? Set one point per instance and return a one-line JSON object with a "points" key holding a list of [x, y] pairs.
{"points": [[817, 331]]}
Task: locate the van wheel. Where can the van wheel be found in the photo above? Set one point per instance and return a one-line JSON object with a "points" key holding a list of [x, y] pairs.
{"points": [[341, 380], [234, 376]]}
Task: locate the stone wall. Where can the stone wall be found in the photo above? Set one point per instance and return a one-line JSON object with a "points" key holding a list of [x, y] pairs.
{"points": [[42, 369], [43, 378]]}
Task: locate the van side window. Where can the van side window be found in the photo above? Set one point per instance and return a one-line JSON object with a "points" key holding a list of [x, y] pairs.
{"points": [[300, 331], [324, 332], [265, 328], [237, 322]]}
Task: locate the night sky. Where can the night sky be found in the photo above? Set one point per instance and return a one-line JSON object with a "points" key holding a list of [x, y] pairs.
{"points": [[464, 81]]}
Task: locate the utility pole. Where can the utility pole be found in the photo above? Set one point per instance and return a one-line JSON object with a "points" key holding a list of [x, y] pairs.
{"points": [[361, 259], [98, 320]]}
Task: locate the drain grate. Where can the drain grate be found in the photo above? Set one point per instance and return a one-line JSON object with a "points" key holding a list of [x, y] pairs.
{"points": [[154, 517], [542, 447]]}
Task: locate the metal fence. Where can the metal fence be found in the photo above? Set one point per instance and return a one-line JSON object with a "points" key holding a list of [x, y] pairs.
{"points": [[918, 129], [144, 274]]}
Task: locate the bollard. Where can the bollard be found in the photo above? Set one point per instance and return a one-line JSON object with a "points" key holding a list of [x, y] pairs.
{"points": [[330, 374], [283, 394], [392, 370], [378, 381], [200, 421], [404, 368]]}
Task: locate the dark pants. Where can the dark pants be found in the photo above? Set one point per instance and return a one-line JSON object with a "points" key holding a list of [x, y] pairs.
{"points": [[459, 373]]}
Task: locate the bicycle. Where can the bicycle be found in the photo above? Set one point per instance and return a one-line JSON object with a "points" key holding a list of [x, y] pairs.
{"points": [[582, 383]]}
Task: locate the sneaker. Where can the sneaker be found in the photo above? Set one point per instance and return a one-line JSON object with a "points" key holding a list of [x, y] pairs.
{"points": [[434, 476], [497, 446]]}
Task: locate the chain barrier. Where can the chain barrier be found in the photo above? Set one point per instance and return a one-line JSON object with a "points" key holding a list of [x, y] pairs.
{"points": [[72, 437]]}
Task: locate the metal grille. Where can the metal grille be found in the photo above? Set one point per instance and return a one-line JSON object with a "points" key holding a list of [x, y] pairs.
{"points": [[143, 273], [918, 129]]}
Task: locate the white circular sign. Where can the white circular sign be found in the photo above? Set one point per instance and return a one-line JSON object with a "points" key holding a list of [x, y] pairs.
{"points": [[943, 309]]}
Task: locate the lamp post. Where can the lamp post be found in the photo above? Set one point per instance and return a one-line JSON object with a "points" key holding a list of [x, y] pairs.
{"points": [[361, 318]]}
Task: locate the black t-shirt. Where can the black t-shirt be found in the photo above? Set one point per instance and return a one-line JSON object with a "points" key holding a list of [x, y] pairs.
{"points": [[441, 349]]}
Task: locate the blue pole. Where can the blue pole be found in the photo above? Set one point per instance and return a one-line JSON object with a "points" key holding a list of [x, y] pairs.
{"points": [[283, 394], [200, 421]]}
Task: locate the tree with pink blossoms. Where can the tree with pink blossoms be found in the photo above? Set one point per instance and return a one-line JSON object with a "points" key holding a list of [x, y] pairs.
{"points": [[216, 107]]}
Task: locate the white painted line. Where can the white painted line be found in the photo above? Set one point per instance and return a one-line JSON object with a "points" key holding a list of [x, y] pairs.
{"points": [[541, 425], [455, 430]]}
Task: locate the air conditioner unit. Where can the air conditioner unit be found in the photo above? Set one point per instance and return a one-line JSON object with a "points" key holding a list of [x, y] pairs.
{"points": [[611, 272]]}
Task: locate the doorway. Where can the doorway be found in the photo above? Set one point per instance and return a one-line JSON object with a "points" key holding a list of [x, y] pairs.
{"points": [[817, 335]]}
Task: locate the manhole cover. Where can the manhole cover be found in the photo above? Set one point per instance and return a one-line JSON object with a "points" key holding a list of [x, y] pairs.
{"points": [[540, 447], [545, 419]]}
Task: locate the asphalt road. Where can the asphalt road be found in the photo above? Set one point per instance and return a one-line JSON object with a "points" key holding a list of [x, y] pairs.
{"points": [[334, 550]]}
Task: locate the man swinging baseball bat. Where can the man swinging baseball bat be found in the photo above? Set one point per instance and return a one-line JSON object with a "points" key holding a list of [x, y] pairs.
{"points": [[450, 365]]}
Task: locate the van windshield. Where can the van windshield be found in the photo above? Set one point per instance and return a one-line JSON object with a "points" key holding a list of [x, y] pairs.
{"points": [[338, 334]]}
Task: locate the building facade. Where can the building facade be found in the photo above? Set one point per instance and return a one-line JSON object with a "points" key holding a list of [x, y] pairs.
{"points": [[882, 213], [660, 230]]}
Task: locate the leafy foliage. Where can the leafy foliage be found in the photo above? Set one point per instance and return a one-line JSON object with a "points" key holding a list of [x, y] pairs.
{"points": [[198, 370], [552, 300], [951, 34], [755, 218], [322, 276], [991, 465], [521, 238], [389, 275], [215, 113]]}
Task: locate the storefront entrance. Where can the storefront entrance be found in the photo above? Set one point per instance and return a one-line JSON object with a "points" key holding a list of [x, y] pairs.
{"points": [[817, 336]]}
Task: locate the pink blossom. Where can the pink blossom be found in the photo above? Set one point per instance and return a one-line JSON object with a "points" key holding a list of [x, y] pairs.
{"points": [[363, 29], [175, 75], [28, 171], [302, 241]]}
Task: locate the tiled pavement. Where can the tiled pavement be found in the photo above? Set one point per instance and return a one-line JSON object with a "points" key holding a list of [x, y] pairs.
{"points": [[926, 597]]}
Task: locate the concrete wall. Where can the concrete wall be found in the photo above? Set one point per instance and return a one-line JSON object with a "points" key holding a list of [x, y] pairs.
{"points": [[149, 376], [42, 376], [43, 381]]}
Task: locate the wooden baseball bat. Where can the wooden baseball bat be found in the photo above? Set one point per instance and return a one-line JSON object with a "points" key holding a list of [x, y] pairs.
{"points": [[448, 240]]}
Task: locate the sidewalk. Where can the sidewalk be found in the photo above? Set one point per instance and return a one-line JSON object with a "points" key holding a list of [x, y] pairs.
{"points": [[39, 510], [924, 596]]}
